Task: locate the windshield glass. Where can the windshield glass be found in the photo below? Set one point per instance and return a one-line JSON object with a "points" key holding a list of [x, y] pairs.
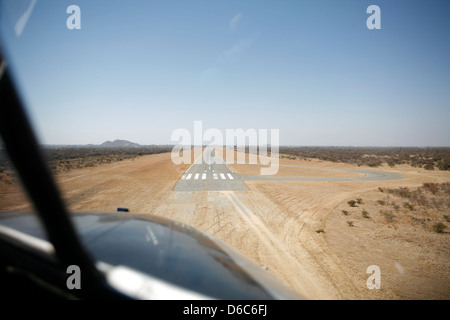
{"points": [[311, 136]]}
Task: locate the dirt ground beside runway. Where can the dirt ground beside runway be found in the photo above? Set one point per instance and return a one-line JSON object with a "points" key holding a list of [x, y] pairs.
{"points": [[279, 224]]}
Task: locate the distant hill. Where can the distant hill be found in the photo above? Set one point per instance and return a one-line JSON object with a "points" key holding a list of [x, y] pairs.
{"points": [[119, 144]]}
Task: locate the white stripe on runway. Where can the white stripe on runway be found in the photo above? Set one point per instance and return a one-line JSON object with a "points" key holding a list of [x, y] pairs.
{"points": [[222, 176], [215, 175], [196, 176], [204, 176], [189, 176], [230, 176]]}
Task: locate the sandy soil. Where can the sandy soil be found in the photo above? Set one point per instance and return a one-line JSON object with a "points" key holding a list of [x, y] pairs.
{"points": [[276, 223]]}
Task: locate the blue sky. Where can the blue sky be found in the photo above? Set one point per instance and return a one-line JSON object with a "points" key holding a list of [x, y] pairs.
{"points": [[137, 70]]}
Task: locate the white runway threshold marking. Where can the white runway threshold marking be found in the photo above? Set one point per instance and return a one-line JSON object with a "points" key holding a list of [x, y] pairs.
{"points": [[204, 175]]}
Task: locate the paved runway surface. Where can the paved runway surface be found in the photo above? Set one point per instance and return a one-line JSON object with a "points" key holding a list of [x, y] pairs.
{"points": [[209, 172]]}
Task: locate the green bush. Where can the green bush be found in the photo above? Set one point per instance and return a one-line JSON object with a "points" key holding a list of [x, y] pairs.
{"points": [[365, 214], [408, 205], [439, 227], [352, 203]]}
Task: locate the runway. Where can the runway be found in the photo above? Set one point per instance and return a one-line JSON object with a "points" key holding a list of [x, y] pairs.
{"points": [[210, 172]]}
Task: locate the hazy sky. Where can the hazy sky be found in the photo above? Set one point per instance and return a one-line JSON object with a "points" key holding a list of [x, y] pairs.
{"points": [[137, 70]]}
